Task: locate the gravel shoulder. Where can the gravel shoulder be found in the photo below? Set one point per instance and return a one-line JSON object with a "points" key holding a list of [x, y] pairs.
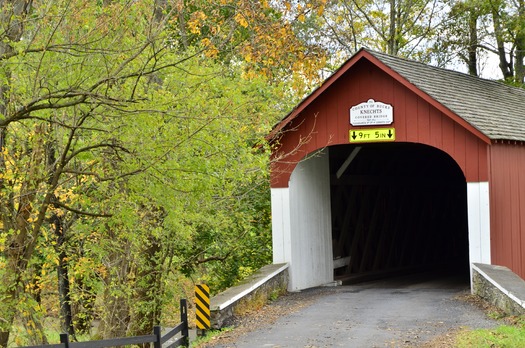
{"points": [[267, 315]]}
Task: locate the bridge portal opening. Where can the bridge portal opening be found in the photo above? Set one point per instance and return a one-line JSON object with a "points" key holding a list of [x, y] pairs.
{"points": [[397, 208]]}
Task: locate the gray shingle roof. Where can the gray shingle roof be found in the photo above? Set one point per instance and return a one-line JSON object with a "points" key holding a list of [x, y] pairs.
{"points": [[495, 109]]}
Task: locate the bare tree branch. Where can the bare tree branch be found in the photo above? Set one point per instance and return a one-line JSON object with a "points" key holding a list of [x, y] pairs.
{"points": [[79, 212]]}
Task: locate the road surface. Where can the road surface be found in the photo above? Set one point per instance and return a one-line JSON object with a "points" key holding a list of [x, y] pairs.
{"points": [[401, 312]]}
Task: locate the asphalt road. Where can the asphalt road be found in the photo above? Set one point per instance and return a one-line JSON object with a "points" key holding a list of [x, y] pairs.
{"points": [[401, 312]]}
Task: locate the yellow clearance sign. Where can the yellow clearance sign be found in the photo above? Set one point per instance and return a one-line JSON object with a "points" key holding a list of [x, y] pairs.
{"points": [[372, 135]]}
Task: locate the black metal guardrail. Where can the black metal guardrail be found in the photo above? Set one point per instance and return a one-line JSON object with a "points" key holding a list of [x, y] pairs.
{"points": [[158, 340]]}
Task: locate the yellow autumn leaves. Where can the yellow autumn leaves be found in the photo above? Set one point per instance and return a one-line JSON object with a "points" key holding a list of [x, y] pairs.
{"points": [[196, 22], [241, 20], [263, 35]]}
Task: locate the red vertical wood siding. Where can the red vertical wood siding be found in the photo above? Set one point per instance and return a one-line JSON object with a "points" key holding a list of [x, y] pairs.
{"points": [[415, 120], [507, 206]]}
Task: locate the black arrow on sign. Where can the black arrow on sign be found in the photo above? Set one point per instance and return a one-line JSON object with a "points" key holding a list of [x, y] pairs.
{"points": [[390, 133], [353, 135]]}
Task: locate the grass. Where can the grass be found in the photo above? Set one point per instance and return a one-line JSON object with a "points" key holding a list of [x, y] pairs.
{"points": [[505, 336], [509, 335], [209, 336]]}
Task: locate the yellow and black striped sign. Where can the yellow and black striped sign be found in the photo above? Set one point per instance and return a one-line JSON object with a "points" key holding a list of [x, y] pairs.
{"points": [[202, 305]]}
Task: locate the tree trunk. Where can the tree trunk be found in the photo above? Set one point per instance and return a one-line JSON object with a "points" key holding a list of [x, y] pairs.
{"points": [[115, 315], [82, 308], [160, 9], [504, 65], [392, 37], [21, 243], [519, 68], [64, 295], [473, 43], [148, 290]]}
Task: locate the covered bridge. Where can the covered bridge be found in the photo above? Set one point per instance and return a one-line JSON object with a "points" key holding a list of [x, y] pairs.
{"points": [[393, 165]]}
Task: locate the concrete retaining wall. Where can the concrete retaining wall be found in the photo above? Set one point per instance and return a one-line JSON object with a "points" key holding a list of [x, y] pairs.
{"points": [[499, 286], [260, 286]]}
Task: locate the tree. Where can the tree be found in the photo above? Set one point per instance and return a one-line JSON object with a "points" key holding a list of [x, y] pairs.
{"points": [[464, 35], [509, 31], [259, 35], [116, 211], [189, 208], [60, 82], [478, 31], [398, 27]]}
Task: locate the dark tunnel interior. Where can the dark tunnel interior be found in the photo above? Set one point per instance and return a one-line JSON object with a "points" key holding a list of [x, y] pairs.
{"points": [[397, 208]]}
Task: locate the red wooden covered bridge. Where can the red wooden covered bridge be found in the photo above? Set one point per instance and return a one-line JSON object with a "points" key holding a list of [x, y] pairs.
{"points": [[394, 165]]}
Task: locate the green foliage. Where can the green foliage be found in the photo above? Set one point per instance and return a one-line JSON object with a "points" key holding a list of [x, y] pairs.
{"points": [[133, 152], [503, 336]]}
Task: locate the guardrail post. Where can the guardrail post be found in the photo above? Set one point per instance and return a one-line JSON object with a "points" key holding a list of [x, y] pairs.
{"points": [[184, 319], [64, 339], [157, 333], [202, 308]]}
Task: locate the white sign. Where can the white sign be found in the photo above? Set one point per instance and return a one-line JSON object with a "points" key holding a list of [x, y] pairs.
{"points": [[371, 113]]}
